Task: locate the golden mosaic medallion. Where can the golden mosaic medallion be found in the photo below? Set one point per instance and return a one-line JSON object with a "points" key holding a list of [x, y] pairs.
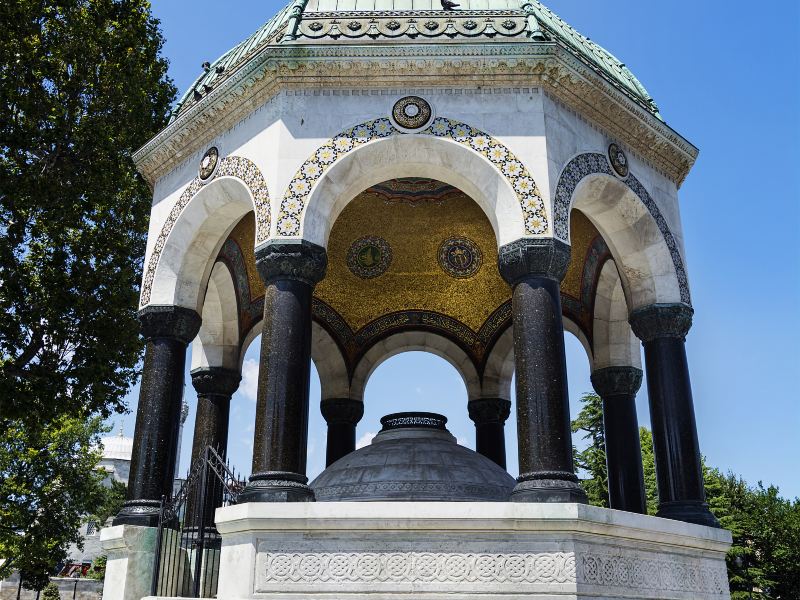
{"points": [[369, 257], [618, 160], [460, 257], [411, 112], [208, 163]]}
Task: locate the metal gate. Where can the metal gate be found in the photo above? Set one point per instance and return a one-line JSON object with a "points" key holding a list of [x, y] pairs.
{"points": [[187, 552]]}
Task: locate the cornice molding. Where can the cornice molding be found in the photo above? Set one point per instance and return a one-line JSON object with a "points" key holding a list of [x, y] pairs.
{"points": [[548, 66]]}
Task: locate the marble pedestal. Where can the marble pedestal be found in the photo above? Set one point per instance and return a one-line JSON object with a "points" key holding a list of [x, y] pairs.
{"points": [[427, 551], [129, 568]]}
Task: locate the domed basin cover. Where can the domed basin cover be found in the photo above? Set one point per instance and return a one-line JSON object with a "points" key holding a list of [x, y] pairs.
{"points": [[413, 458]]}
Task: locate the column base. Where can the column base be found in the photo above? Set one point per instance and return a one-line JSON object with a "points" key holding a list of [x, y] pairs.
{"points": [[690, 511], [548, 487], [142, 513], [277, 486]]}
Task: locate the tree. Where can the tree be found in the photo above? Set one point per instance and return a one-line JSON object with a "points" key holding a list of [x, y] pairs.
{"points": [[50, 481], [592, 459], [112, 498], [82, 85], [764, 560], [51, 592], [649, 470]]}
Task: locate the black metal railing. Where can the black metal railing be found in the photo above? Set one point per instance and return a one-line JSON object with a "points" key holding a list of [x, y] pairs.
{"points": [[188, 545]]}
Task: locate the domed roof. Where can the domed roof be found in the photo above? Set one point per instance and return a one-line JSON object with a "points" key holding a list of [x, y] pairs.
{"points": [[117, 447], [400, 21], [413, 458]]}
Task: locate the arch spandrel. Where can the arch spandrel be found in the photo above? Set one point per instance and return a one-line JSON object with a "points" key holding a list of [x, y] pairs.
{"points": [[375, 150], [644, 248], [180, 262]]}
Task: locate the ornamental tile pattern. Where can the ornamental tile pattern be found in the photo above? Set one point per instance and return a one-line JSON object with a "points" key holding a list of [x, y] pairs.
{"points": [[592, 163], [296, 197], [231, 166], [416, 567]]}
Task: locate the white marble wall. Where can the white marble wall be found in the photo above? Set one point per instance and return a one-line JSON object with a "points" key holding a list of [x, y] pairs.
{"points": [[457, 551]]}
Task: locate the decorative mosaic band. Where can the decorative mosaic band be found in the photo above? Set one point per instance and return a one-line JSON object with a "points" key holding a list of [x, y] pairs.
{"points": [[296, 197], [594, 163], [231, 166], [415, 567]]}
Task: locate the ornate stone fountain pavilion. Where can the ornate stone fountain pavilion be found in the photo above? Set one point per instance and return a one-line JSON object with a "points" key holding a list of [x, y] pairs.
{"points": [[365, 177]]}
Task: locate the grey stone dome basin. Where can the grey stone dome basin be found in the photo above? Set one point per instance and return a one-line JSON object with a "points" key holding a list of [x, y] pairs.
{"points": [[413, 458]]}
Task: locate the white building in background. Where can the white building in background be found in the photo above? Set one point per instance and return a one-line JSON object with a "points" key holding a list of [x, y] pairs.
{"points": [[116, 462]]}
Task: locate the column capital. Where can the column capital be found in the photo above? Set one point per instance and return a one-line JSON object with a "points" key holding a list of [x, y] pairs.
{"points": [[170, 322], [544, 257], [342, 410], [615, 381], [661, 321], [489, 410], [215, 381], [302, 260]]}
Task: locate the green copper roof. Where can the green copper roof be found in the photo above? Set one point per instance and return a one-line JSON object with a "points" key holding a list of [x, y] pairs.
{"points": [[273, 32]]}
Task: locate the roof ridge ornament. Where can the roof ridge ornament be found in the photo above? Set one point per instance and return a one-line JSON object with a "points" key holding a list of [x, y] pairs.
{"points": [[298, 6]]}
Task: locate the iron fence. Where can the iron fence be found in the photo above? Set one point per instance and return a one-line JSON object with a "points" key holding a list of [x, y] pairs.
{"points": [[188, 545]]}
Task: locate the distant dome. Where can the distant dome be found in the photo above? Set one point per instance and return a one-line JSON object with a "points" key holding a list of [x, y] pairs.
{"points": [[117, 447], [413, 458]]}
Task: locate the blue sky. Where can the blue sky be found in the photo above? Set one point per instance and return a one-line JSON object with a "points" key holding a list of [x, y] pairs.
{"points": [[726, 77]]}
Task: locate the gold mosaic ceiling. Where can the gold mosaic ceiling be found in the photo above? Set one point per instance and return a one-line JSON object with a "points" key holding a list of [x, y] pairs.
{"points": [[395, 231]]}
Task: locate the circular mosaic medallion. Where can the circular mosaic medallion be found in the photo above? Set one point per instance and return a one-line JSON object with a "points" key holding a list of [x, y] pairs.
{"points": [[618, 160], [209, 163], [369, 257], [411, 112], [460, 257]]}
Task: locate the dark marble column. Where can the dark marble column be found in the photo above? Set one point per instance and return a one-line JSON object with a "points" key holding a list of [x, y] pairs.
{"points": [[489, 416], [662, 329], [214, 387], [167, 330], [290, 271], [617, 386], [342, 416], [534, 268]]}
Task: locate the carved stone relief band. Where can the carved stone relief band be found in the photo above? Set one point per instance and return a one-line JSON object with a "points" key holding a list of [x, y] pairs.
{"points": [[231, 166], [639, 570], [594, 163], [513, 170]]}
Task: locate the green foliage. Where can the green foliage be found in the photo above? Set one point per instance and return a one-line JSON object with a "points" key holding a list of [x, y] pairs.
{"points": [[592, 459], [112, 498], [49, 483], [649, 470], [98, 568], [764, 561], [50, 592], [83, 85]]}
